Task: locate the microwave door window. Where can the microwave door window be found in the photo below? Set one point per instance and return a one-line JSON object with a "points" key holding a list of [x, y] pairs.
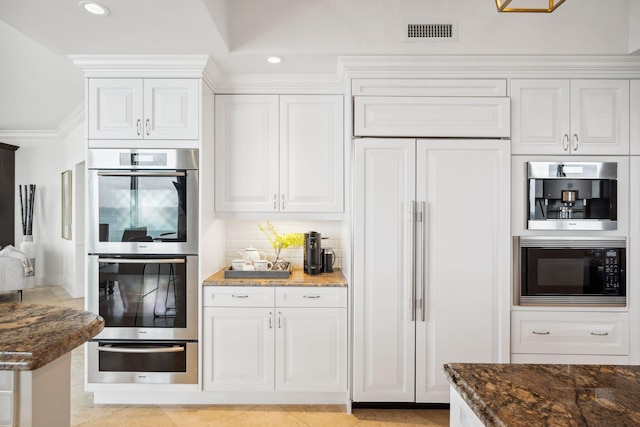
{"points": [[560, 276], [142, 208]]}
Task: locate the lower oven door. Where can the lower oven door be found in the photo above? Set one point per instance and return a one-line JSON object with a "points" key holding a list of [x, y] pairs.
{"points": [[142, 362], [144, 297]]}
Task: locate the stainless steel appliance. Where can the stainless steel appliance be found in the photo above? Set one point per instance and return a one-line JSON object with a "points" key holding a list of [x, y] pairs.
{"points": [[150, 307], [152, 297], [572, 196], [162, 362], [571, 271], [312, 252], [142, 201]]}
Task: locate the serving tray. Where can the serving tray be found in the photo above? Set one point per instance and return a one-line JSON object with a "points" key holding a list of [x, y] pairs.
{"points": [[267, 274]]}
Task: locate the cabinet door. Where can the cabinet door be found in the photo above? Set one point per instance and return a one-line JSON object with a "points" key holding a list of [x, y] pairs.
{"points": [[115, 109], [634, 117], [311, 349], [171, 108], [384, 330], [600, 116], [541, 114], [464, 252], [246, 153], [311, 153], [238, 349]]}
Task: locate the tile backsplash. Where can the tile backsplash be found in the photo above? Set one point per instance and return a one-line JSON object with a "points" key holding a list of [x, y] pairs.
{"points": [[243, 233]]}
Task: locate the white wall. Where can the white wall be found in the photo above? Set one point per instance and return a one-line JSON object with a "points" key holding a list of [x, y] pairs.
{"points": [[41, 161]]}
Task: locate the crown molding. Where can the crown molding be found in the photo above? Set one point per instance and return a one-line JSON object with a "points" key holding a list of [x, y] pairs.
{"points": [[35, 137], [494, 66], [149, 66]]}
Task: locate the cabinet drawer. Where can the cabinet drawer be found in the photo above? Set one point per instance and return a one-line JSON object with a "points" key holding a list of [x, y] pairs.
{"points": [[238, 296], [570, 333], [306, 296]]}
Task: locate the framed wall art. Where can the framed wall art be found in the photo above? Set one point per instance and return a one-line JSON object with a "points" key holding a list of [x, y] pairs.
{"points": [[66, 205]]}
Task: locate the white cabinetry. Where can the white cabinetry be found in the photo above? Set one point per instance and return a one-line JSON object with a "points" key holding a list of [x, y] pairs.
{"points": [[431, 272], [297, 344], [8, 394], [143, 109], [634, 120], [589, 337], [447, 116], [570, 116], [279, 153]]}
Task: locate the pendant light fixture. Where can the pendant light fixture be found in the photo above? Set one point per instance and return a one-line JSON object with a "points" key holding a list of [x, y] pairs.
{"points": [[539, 6]]}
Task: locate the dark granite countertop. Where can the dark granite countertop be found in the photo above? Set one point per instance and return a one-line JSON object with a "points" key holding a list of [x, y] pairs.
{"points": [[517, 395], [297, 278], [32, 335]]}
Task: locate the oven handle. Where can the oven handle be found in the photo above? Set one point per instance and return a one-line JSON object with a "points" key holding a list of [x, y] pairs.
{"points": [[149, 173], [174, 349], [143, 260]]}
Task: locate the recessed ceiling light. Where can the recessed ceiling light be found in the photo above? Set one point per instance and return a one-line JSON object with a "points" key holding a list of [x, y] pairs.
{"points": [[273, 59], [94, 8]]}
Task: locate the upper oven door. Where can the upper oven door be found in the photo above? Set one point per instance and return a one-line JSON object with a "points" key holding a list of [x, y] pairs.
{"points": [[143, 202]]}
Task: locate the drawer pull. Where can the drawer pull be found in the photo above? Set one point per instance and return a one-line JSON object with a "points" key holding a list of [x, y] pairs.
{"points": [[600, 334], [310, 296], [541, 333], [239, 296]]}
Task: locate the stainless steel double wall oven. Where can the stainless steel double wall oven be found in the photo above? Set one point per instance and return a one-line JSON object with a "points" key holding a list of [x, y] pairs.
{"points": [[142, 270]]}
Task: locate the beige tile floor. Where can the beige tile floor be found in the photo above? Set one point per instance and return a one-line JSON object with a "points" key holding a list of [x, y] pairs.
{"points": [[85, 413]]}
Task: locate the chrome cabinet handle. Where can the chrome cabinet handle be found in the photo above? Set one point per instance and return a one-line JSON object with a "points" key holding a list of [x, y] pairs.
{"points": [[575, 142], [599, 334], [541, 333], [270, 320], [310, 296], [279, 320], [138, 127], [565, 142], [412, 225], [283, 202], [239, 296], [148, 126], [275, 202]]}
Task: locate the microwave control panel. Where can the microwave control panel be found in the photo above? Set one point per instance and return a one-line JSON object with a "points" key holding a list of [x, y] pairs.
{"points": [[611, 271]]}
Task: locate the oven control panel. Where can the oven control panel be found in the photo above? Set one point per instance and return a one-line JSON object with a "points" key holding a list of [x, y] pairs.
{"points": [[611, 271]]}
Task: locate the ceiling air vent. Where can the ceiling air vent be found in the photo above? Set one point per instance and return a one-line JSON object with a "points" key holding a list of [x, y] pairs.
{"points": [[431, 32]]}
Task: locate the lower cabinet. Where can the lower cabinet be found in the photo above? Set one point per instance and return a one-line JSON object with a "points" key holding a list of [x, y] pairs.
{"points": [[7, 399], [275, 339], [570, 337]]}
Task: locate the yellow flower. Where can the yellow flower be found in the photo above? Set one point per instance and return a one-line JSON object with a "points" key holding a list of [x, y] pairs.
{"points": [[281, 241]]}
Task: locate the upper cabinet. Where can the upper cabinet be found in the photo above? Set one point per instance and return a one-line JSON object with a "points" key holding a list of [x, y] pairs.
{"points": [[634, 115], [570, 116], [431, 116], [279, 153], [143, 109]]}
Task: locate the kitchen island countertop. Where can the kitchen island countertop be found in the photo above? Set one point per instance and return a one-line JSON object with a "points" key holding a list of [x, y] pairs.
{"points": [[521, 395], [33, 335], [297, 278]]}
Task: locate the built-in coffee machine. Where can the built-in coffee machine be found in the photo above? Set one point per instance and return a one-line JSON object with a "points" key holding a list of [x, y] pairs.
{"points": [[572, 195]]}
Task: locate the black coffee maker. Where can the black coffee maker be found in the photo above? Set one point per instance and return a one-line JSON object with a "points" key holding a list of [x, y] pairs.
{"points": [[312, 253]]}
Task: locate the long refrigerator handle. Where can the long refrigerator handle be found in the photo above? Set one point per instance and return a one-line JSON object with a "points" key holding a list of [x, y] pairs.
{"points": [[412, 225], [423, 253]]}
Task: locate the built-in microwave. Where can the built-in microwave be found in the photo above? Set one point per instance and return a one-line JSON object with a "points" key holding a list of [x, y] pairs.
{"points": [[570, 271]]}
